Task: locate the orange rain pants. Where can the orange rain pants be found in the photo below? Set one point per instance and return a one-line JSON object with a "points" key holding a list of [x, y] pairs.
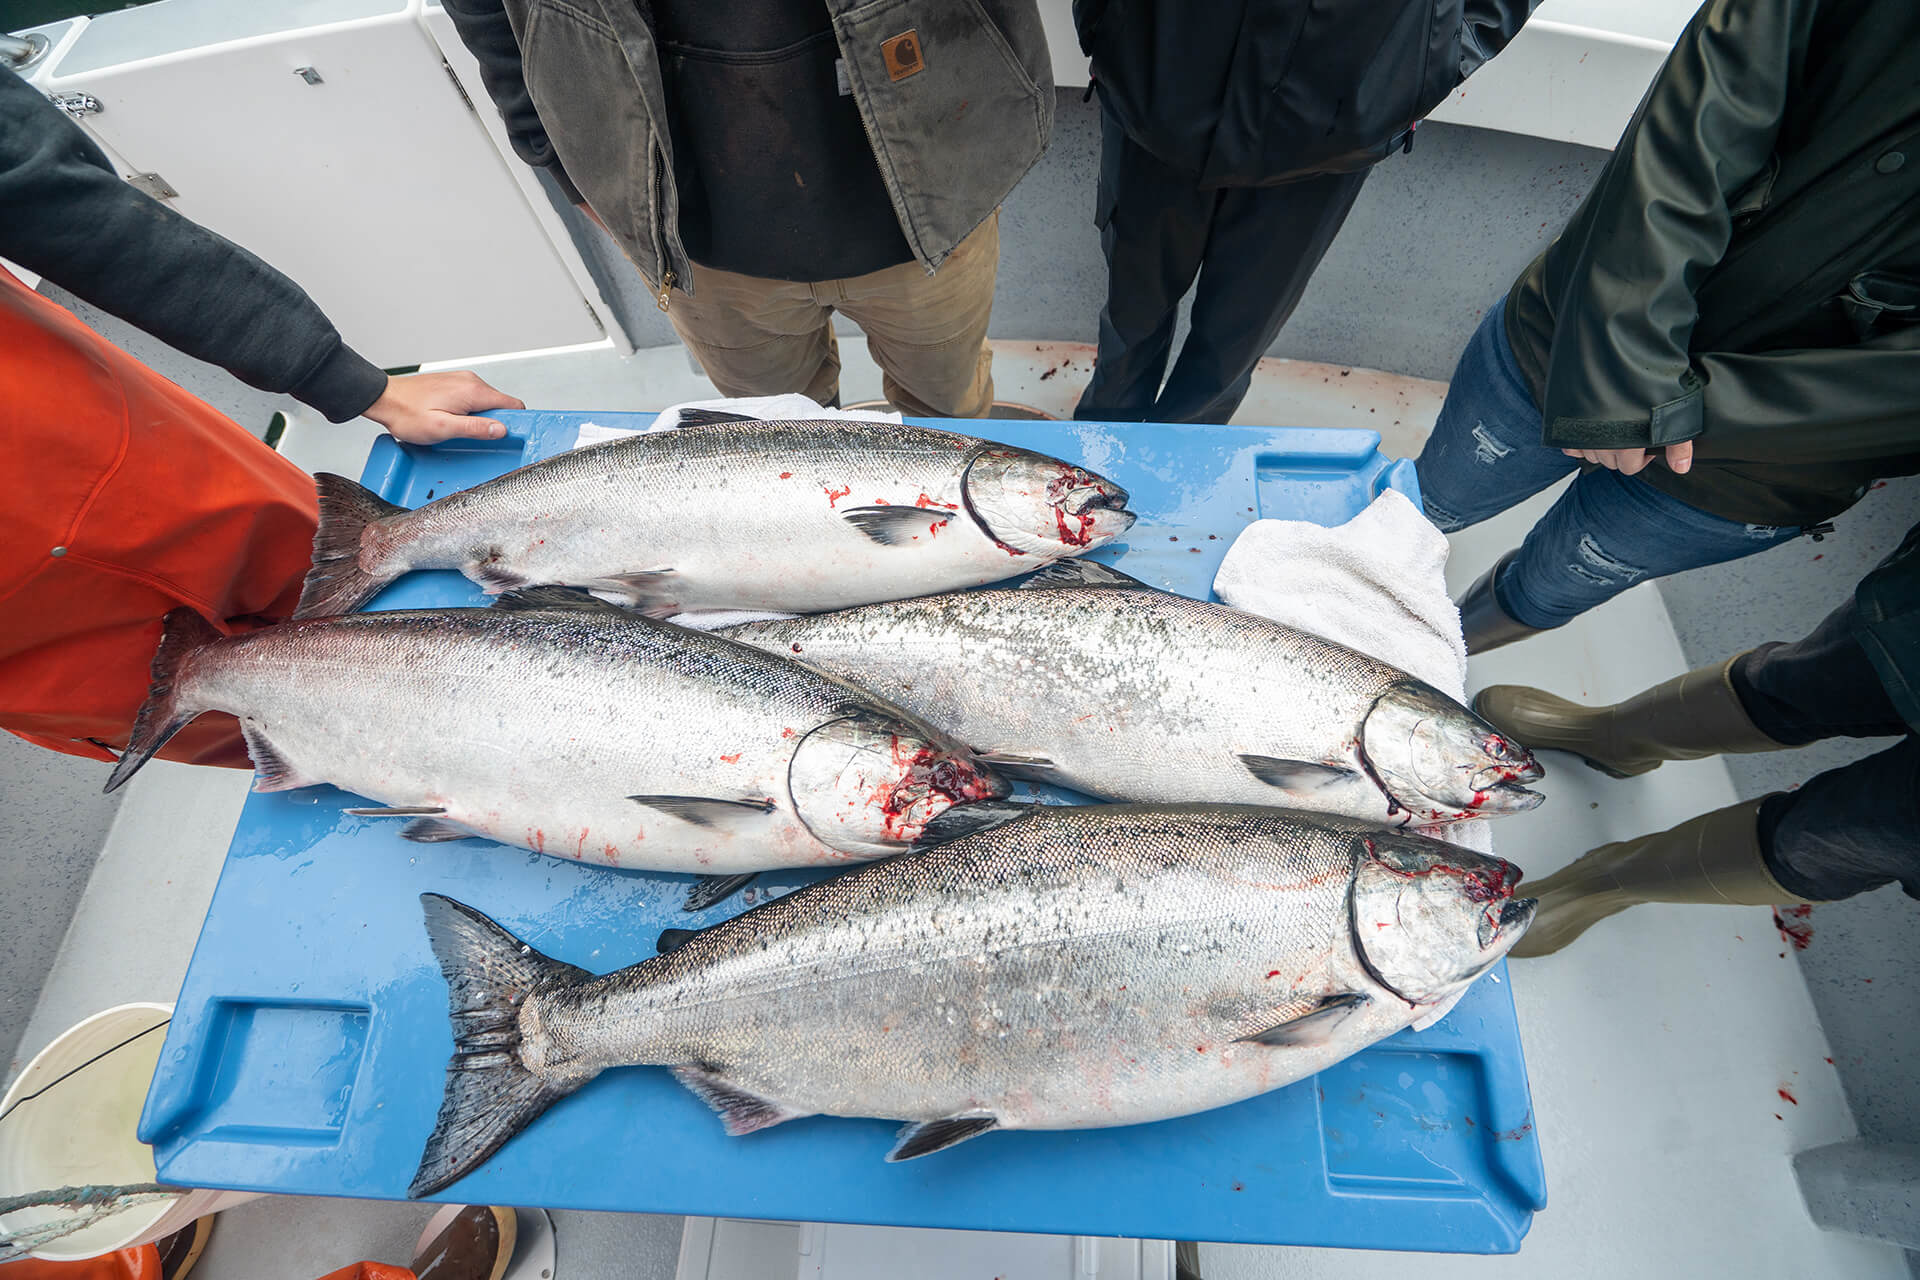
{"points": [[143, 1263], [121, 497]]}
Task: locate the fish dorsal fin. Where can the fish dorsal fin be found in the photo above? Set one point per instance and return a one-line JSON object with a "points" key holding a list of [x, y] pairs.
{"points": [[1082, 573], [710, 417], [929, 1136], [1315, 1027], [1296, 775], [970, 819], [271, 772], [896, 526], [707, 811], [741, 1112], [707, 890], [547, 599]]}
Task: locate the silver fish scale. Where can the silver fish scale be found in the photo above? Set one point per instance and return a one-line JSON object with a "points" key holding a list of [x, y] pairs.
{"points": [[744, 515], [1089, 966], [1136, 695], [532, 728]]}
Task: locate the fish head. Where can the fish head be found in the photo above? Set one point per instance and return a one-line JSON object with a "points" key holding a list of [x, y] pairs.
{"points": [[1030, 503], [869, 784], [1429, 917], [1440, 762]]}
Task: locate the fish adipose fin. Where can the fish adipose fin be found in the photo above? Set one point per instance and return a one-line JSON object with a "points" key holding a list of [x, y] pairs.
{"points": [[707, 890], [490, 1095], [1020, 764], [548, 599], [674, 939], [969, 819], [929, 1136], [705, 811], [895, 526], [336, 583], [741, 1112], [1296, 775], [160, 716], [1082, 573], [648, 592], [1312, 1028], [271, 772], [711, 417]]}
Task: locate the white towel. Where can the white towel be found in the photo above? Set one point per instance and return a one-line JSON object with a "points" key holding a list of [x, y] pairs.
{"points": [[769, 408], [1374, 584]]}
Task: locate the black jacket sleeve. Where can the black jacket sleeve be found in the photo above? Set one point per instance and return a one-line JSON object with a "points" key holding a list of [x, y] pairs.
{"points": [[1814, 405], [1619, 374], [484, 29], [65, 214]]}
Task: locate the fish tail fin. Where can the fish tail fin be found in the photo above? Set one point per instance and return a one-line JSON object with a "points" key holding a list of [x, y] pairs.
{"points": [[491, 1094], [337, 584], [161, 716]]}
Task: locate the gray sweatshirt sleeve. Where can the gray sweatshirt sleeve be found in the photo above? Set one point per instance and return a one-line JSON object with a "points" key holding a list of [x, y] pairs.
{"points": [[65, 214]]}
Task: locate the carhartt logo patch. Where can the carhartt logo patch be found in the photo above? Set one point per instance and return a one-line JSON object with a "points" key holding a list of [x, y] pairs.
{"points": [[903, 55]]}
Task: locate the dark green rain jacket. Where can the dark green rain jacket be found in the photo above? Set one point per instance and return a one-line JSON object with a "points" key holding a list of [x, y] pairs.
{"points": [[1746, 272]]}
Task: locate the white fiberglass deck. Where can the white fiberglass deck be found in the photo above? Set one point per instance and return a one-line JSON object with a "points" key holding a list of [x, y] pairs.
{"points": [[1675, 1056]]}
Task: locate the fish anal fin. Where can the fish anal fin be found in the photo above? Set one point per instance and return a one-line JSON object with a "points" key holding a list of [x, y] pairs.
{"points": [[1082, 573], [549, 598], [1296, 775], [710, 417], [708, 890], [434, 831], [1313, 1027], [969, 819], [895, 526], [649, 592], [493, 575], [929, 1136], [271, 772], [707, 811], [740, 1111]]}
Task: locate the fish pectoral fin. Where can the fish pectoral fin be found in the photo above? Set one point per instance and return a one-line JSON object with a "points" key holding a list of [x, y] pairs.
{"points": [[1296, 775], [928, 1136], [710, 417], [271, 772], [549, 598], [1020, 764], [706, 811], [969, 819], [649, 592], [434, 831], [1082, 573], [1314, 1027], [895, 526], [741, 1112], [707, 890]]}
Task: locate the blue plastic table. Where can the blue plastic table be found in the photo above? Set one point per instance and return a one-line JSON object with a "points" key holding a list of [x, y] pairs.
{"points": [[310, 1039]]}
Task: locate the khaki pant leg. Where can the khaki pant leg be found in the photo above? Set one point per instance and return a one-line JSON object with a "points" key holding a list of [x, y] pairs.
{"points": [[757, 337], [927, 333]]}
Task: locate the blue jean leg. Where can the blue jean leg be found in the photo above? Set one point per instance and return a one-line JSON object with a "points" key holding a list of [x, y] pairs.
{"points": [[1485, 453], [1608, 532]]}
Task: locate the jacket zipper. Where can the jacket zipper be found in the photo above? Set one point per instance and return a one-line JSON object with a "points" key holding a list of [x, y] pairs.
{"points": [[662, 299]]}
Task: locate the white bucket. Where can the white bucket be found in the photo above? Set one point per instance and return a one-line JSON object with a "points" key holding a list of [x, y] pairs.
{"points": [[82, 1133]]}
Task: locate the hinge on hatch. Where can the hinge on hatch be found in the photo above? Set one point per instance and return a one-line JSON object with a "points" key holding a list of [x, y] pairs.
{"points": [[76, 104], [152, 184], [457, 86]]}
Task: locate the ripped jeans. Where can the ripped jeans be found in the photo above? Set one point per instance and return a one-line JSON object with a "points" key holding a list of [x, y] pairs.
{"points": [[1607, 531]]}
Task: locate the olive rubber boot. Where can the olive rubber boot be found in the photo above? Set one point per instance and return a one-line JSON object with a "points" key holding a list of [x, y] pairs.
{"points": [[467, 1242], [1690, 716], [1483, 623], [1714, 858]]}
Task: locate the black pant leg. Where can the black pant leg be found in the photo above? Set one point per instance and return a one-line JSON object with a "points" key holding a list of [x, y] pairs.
{"points": [[1820, 687], [1153, 223], [1265, 245], [1849, 830]]}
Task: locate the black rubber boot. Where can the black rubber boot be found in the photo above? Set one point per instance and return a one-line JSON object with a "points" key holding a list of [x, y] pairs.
{"points": [[1485, 624]]}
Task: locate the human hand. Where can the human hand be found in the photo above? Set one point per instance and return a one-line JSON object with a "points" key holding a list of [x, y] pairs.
{"points": [[1679, 458], [426, 408]]}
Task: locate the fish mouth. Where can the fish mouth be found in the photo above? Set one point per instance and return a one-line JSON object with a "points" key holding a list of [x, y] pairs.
{"points": [[1092, 497], [1507, 797], [1508, 924]]}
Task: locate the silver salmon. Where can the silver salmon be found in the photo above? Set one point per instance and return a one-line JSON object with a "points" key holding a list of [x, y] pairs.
{"points": [[725, 512], [572, 728], [1067, 968], [1089, 679]]}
